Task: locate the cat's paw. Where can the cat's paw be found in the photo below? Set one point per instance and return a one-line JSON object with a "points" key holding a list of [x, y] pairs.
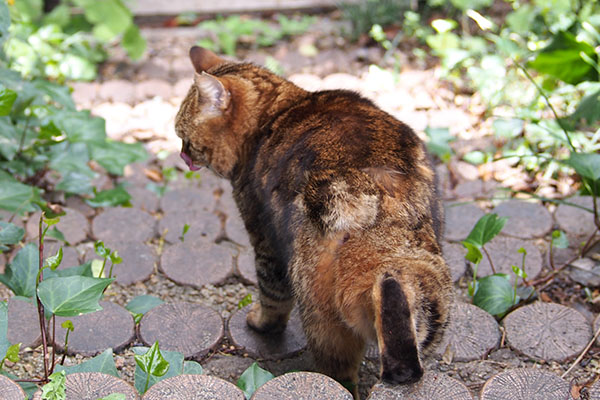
{"points": [[263, 320]]}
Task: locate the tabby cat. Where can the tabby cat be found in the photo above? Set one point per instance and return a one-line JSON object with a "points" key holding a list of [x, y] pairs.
{"points": [[340, 204]]}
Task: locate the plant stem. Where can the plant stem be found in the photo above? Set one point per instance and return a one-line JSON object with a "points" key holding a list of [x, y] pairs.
{"points": [[102, 269], [53, 344], [541, 91], [40, 307], [22, 141], [112, 264], [147, 382], [551, 255], [489, 259], [62, 361]]}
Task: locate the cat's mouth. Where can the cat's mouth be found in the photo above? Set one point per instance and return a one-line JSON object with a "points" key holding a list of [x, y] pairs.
{"points": [[188, 161]]}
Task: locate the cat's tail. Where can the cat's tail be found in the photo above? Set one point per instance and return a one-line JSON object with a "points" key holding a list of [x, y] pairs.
{"points": [[410, 315]]}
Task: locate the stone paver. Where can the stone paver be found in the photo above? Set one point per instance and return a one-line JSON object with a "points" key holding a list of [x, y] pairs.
{"points": [[460, 219], [576, 221], [190, 199], [268, 346], [547, 331], [23, 323], [525, 384], [191, 329], [196, 387], [433, 386], [112, 327], [93, 386], [307, 385], [246, 267], [143, 199], [152, 88], [137, 265], [117, 225], [503, 251], [471, 334], [10, 390], [454, 254], [203, 226], [526, 220], [117, 90], [73, 225], [236, 231], [197, 263]]}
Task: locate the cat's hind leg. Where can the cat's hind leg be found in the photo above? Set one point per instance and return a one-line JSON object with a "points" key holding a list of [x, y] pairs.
{"points": [[275, 302]]}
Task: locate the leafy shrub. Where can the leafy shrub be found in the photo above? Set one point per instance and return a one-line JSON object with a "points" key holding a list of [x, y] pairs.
{"points": [[46, 144], [228, 32], [62, 45], [364, 14]]}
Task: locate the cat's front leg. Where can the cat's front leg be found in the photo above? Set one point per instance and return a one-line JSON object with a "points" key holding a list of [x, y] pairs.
{"points": [[275, 302]]}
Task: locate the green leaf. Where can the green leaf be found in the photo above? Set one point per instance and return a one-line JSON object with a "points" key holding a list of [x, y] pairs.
{"points": [[508, 128], [114, 257], [100, 249], [114, 156], [75, 183], [12, 354], [559, 239], [70, 157], [7, 98], [68, 324], [103, 362], [192, 368], [438, 143], [56, 234], [110, 198], [152, 362], [486, 228], [72, 295], [143, 303], [494, 294], [133, 42], [59, 94], [21, 274], [55, 389], [54, 261], [471, 4], [586, 165], [80, 270], [80, 126], [112, 15], [10, 233], [473, 253], [17, 197], [175, 366], [245, 301], [253, 378], [10, 138], [561, 59], [588, 109]]}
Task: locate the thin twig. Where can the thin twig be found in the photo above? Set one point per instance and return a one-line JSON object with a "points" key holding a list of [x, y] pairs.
{"points": [[489, 259], [541, 91], [582, 353], [40, 307], [53, 344]]}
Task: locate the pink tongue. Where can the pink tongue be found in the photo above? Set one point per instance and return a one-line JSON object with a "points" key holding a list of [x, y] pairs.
{"points": [[188, 161]]}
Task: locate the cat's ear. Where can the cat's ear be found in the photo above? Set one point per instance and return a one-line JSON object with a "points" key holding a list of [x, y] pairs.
{"points": [[212, 91], [204, 59]]}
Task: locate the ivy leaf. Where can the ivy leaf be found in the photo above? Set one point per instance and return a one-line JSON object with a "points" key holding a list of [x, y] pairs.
{"points": [[110, 198], [173, 359], [68, 324], [103, 362], [438, 143], [494, 294], [7, 99], [473, 253], [114, 257], [587, 109], [562, 59], [55, 389], [253, 378], [12, 354], [114, 156], [559, 239], [485, 229], [16, 196], [10, 233], [101, 250], [192, 368], [54, 261], [21, 274], [72, 295], [152, 362], [133, 42], [142, 304], [4, 343], [586, 165], [80, 270]]}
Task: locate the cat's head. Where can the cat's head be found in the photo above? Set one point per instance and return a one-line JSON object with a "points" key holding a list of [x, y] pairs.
{"points": [[223, 108]]}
